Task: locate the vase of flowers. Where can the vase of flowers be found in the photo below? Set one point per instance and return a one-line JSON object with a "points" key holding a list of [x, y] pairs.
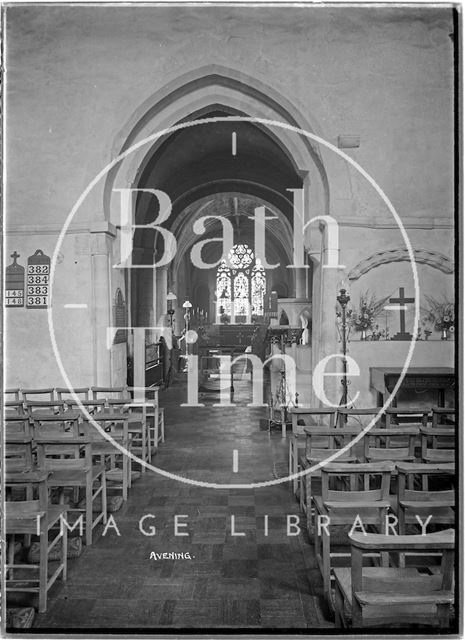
{"points": [[440, 315], [363, 318]]}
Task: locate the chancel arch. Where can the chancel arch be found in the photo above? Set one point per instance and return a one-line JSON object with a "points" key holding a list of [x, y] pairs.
{"points": [[196, 167]]}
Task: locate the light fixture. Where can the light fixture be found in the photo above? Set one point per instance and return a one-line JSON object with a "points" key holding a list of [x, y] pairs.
{"points": [[343, 298], [171, 297], [187, 306]]}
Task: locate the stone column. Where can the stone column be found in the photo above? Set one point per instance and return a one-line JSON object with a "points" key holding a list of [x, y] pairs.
{"points": [[139, 363], [325, 337], [301, 288], [161, 306], [102, 236], [301, 284]]}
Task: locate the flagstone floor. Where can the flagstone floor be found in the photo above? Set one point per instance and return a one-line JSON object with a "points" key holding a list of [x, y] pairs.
{"points": [[260, 579]]}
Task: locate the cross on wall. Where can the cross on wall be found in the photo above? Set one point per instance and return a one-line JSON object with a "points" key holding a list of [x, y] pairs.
{"points": [[400, 304]]}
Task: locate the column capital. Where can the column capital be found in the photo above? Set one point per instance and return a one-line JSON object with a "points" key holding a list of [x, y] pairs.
{"points": [[103, 226]]}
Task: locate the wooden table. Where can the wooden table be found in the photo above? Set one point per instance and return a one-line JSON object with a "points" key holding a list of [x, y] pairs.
{"points": [[384, 379]]}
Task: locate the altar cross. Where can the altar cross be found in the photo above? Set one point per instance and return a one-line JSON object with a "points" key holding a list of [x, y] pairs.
{"points": [[239, 337], [400, 304]]}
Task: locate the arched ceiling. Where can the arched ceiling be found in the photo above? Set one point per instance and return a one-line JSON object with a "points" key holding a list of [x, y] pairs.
{"points": [[238, 209], [198, 161]]}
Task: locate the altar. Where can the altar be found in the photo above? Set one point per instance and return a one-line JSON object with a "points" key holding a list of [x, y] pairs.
{"points": [[384, 379]]}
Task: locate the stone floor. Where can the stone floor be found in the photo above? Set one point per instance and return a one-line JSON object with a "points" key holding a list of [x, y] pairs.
{"points": [[250, 581]]}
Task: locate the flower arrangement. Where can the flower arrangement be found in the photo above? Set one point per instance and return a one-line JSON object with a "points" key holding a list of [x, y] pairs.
{"points": [[378, 334], [439, 315], [369, 308]]}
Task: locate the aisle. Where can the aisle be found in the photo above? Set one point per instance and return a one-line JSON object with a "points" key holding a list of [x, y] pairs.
{"points": [[217, 579]]}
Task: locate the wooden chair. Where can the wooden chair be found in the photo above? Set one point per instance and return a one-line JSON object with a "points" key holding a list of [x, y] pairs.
{"points": [[116, 424], [45, 407], [17, 424], [392, 596], [427, 501], [12, 394], [345, 499], [14, 408], [155, 415], [443, 416], [38, 394], [18, 452], [103, 449], [321, 417], [135, 414], [438, 444], [63, 393], [320, 444], [109, 393], [32, 517], [406, 416], [378, 444], [353, 417], [43, 421], [403, 418], [390, 445], [69, 456], [18, 457], [91, 406]]}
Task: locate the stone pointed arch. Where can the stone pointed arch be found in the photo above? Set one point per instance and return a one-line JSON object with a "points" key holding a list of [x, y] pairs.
{"points": [[199, 89], [422, 256]]}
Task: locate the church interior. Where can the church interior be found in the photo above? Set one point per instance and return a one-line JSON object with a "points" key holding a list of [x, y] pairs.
{"points": [[230, 368]]}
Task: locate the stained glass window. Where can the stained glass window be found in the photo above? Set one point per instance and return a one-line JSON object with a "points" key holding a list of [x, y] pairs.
{"points": [[241, 294], [240, 256], [258, 288], [223, 288], [240, 284]]}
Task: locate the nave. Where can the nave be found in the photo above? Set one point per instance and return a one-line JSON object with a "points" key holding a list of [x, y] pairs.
{"points": [[169, 554], [243, 582]]}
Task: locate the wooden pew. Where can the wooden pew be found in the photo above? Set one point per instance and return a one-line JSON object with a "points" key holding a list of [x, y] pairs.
{"points": [[348, 493], [438, 444], [413, 501], [63, 393], [29, 517], [378, 444], [322, 443], [443, 416], [44, 394], [362, 417], [392, 596], [69, 455], [324, 417], [116, 424]]}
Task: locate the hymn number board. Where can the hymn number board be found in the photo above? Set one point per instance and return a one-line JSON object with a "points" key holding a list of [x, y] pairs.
{"points": [[38, 280], [14, 283]]}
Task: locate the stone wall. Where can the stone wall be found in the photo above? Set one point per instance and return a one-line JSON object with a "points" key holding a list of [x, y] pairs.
{"points": [[80, 78]]}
